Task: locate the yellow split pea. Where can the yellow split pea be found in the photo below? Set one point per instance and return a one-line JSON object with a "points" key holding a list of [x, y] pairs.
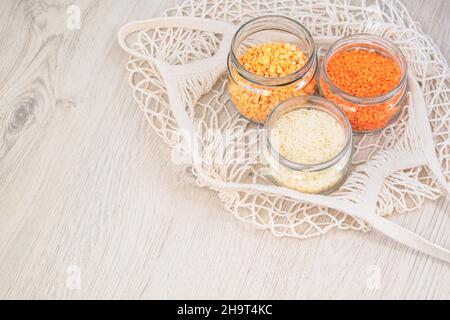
{"points": [[270, 60]]}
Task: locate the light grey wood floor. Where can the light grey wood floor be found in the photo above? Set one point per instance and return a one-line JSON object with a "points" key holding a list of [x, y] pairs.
{"points": [[90, 206]]}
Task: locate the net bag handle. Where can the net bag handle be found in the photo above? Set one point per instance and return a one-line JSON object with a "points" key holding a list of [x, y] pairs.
{"points": [[170, 73], [423, 127], [383, 225], [207, 25]]}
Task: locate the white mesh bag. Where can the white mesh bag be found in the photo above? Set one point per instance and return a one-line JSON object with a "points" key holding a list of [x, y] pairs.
{"points": [[177, 72]]}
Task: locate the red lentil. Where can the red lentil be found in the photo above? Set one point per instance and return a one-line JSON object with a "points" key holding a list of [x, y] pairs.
{"points": [[364, 74]]}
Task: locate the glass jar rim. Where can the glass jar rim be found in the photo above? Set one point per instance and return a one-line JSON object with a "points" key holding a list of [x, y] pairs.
{"points": [[366, 39], [273, 81], [312, 102]]}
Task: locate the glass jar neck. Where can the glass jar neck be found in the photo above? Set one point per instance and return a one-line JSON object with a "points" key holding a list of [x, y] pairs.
{"points": [[273, 23]]}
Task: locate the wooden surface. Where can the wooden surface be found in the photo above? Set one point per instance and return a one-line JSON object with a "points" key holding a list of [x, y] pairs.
{"points": [[90, 206]]}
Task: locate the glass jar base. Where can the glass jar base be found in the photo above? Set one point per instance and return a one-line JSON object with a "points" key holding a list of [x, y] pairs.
{"points": [[236, 109], [272, 180], [393, 119]]}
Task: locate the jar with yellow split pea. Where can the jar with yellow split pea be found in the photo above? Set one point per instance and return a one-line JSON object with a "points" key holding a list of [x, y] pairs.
{"points": [[272, 58]]}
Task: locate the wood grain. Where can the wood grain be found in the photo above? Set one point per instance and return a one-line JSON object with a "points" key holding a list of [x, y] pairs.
{"points": [[86, 186]]}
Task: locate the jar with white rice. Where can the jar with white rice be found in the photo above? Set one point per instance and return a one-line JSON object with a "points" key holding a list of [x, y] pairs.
{"points": [[307, 145]]}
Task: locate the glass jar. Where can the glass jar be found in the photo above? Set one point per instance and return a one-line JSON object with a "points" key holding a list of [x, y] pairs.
{"points": [[253, 95], [366, 114], [317, 178]]}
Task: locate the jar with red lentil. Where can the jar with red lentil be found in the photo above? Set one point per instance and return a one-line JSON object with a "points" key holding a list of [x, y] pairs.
{"points": [[366, 76], [272, 58]]}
